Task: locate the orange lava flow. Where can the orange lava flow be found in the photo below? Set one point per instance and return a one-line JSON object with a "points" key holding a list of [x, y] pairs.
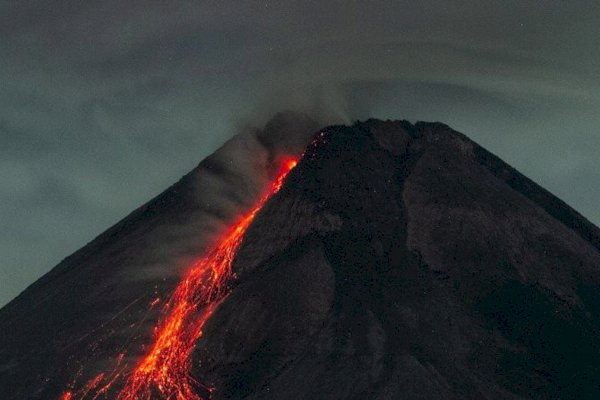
{"points": [[164, 372]]}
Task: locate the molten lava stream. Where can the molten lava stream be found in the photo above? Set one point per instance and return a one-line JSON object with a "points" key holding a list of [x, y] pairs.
{"points": [[164, 372]]}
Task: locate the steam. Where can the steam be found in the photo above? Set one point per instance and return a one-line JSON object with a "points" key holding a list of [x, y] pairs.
{"points": [[189, 217], [237, 173]]}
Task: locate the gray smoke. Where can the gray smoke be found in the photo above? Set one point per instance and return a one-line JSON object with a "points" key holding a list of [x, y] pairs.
{"points": [[238, 172], [165, 236]]}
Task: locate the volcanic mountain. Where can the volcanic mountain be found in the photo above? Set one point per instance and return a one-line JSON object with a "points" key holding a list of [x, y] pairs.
{"points": [[382, 260]]}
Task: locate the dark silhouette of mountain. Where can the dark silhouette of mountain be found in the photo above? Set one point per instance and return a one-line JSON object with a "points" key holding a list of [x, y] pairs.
{"points": [[398, 261]]}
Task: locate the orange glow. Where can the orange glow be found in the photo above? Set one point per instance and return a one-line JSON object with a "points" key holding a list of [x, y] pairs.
{"points": [[154, 302], [164, 372]]}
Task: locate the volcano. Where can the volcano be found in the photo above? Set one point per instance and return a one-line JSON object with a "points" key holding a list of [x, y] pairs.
{"points": [[382, 260]]}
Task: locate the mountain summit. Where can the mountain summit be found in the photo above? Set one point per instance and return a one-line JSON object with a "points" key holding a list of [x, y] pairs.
{"points": [[395, 261]]}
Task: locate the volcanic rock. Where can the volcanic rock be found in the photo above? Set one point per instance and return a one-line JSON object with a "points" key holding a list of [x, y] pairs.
{"points": [[404, 261]]}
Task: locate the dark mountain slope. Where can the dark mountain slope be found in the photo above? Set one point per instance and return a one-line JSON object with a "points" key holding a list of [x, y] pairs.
{"points": [[407, 262]]}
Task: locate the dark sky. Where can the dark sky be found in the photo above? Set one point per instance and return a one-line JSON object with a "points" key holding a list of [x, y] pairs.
{"points": [[103, 104]]}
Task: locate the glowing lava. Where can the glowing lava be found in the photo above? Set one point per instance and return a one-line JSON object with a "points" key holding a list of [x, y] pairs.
{"points": [[164, 372]]}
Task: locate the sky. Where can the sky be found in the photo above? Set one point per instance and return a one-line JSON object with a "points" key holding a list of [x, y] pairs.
{"points": [[103, 104]]}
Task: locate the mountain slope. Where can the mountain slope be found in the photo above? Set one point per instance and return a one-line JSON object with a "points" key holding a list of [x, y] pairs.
{"points": [[406, 262], [100, 302]]}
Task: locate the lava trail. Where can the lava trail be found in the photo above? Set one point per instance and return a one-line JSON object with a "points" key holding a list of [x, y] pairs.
{"points": [[164, 372]]}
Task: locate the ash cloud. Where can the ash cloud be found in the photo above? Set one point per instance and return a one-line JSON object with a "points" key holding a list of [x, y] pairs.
{"points": [[175, 228], [240, 170]]}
